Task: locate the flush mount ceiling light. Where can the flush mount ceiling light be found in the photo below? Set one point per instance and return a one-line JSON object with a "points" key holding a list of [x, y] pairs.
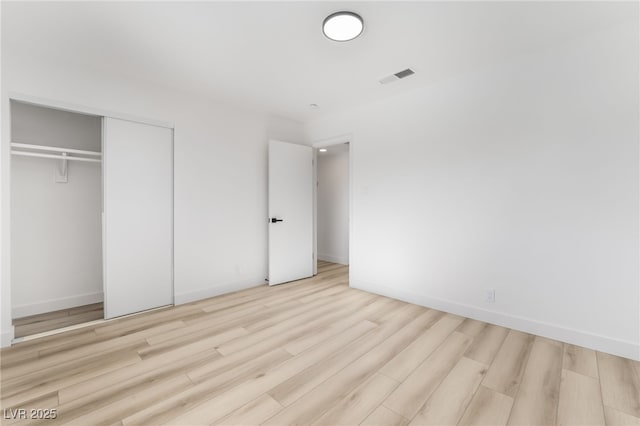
{"points": [[323, 150], [342, 26]]}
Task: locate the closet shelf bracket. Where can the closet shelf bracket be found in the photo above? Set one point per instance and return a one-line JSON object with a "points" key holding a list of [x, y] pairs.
{"points": [[62, 175]]}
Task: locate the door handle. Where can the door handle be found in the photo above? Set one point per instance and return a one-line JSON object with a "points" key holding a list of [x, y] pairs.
{"points": [[274, 220]]}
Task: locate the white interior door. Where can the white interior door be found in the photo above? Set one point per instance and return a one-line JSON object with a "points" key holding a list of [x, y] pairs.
{"points": [[138, 216], [290, 212]]}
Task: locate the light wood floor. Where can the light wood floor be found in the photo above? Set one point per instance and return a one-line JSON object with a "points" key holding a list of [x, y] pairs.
{"points": [[34, 324], [315, 351]]}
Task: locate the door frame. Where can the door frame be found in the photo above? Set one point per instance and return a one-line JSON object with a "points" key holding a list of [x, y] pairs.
{"points": [[8, 336], [325, 143]]}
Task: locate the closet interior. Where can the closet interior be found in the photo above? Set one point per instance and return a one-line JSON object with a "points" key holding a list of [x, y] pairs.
{"points": [[56, 218]]}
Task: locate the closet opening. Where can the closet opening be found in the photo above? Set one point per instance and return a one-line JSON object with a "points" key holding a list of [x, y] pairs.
{"points": [[56, 218], [332, 206]]}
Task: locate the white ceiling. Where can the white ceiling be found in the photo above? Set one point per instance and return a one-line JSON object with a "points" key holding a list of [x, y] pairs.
{"points": [[273, 56]]}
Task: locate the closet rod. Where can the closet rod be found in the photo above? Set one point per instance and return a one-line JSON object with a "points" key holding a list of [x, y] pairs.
{"points": [[55, 149], [59, 157]]}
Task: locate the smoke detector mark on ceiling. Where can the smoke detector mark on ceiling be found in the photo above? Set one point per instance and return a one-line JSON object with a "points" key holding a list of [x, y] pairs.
{"points": [[397, 76]]}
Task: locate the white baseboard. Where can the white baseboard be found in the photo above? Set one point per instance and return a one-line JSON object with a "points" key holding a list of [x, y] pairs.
{"points": [[597, 342], [205, 293], [333, 259], [51, 305], [6, 337]]}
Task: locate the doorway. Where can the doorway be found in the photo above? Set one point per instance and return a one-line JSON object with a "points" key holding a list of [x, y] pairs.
{"points": [[56, 223], [91, 217], [332, 205]]}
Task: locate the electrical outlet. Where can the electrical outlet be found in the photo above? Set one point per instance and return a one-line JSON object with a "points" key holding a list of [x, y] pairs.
{"points": [[490, 295]]}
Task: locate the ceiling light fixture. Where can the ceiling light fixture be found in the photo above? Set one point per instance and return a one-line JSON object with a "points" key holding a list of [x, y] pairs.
{"points": [[323, 150], [342, 26]]}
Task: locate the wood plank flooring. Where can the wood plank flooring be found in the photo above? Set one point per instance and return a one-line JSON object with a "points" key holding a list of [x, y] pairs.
{"points": [[34, 324], [313, 352]]}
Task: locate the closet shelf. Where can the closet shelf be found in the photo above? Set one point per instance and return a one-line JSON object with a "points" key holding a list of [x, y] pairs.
{"points": [[54, 152]]}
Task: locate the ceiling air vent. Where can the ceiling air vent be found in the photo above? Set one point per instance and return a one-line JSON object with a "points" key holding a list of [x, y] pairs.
{"points": [[397, 76]]}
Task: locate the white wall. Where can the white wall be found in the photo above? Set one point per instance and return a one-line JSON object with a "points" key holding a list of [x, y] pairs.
{"points": [[333, 204], [523, 178], [220, 171], [56, 244]]}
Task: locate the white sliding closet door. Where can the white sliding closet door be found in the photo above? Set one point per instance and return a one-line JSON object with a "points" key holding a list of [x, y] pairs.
{"points": [[138, 216]]}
